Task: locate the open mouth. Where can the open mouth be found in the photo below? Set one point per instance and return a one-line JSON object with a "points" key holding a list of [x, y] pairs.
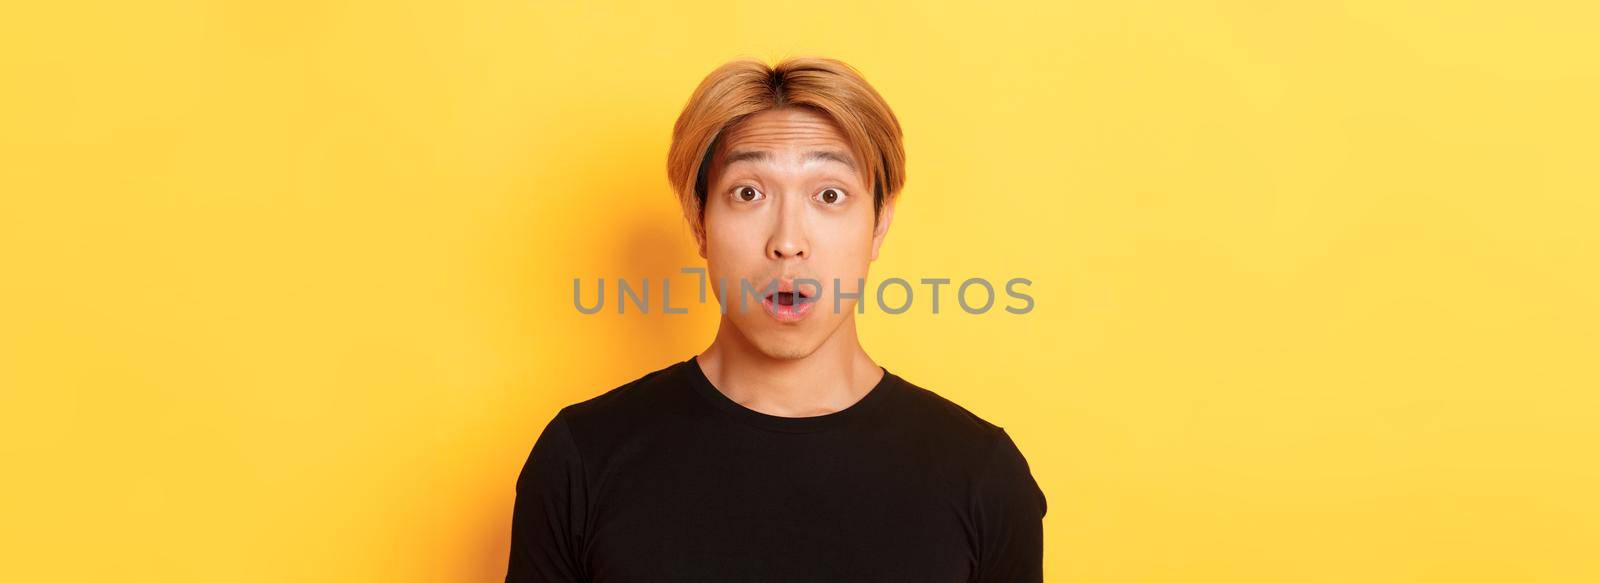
{"points": [[789, 305], [788, 298]]}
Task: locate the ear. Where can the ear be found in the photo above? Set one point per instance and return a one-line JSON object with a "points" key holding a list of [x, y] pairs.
{"points": [[882, 228], [700, 240]]}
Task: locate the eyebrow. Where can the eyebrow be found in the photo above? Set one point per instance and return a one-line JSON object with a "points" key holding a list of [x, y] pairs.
{"points": [[762, 155]]}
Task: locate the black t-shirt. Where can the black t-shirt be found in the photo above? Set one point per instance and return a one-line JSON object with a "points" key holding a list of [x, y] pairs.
{"points": [[665, 479]]}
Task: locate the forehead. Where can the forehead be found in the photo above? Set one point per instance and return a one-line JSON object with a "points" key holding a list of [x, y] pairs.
{"points": [[787, 129]]}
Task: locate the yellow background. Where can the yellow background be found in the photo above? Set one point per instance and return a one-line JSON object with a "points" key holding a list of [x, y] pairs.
{"points": [[286, 287]]}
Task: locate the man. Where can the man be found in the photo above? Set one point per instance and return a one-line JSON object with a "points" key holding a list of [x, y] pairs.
{"points": [[782, 452]]}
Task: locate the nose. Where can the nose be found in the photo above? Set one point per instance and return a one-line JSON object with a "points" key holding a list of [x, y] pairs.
{"points": [[788, 240]]}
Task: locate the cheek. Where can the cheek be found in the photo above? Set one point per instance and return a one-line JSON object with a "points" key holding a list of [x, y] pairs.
{"points": [[846, 238], [733, 249], [726, 232], [842, 255]]}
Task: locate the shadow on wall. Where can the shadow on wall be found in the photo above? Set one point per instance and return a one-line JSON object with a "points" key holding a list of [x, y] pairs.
{"points": [[635, 231]]}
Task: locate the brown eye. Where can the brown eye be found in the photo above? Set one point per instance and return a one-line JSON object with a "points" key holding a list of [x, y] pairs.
{"points": [[747, 194], [830, 195]]}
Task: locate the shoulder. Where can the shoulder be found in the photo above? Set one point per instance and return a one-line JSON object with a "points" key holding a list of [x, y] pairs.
{"points": [[630, 408], [1002, 484], [925, 405], [942, 422], [642, 391], [981, 453]]}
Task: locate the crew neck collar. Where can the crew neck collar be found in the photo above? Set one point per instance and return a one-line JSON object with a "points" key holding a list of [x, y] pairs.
{"points": [[702, 385]]}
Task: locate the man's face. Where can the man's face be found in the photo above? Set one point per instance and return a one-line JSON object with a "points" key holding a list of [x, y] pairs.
{"points": [[786, 200]]}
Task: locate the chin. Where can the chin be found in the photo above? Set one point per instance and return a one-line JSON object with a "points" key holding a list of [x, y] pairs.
{"points": [[786, 350], [784, 345], [784, 342]]}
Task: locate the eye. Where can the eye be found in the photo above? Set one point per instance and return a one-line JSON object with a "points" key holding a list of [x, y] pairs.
{"points": [[747, 194], [831, 196]]}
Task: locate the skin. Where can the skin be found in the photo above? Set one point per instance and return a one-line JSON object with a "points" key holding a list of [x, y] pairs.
{"points": [[786, 198]]}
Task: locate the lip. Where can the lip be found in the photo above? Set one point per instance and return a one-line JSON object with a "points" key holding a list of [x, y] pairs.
{"points": [[790, 313]]}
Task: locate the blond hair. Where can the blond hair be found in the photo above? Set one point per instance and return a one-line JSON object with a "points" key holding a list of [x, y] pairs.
{"points": [[744, 87]]}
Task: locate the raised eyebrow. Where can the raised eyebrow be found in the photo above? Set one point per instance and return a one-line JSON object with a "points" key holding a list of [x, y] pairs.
{"points": [[833, 155], [763, 155], [745, 156]]}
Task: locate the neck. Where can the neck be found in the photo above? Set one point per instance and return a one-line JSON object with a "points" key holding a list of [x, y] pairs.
{"points": [[833, 377]]}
